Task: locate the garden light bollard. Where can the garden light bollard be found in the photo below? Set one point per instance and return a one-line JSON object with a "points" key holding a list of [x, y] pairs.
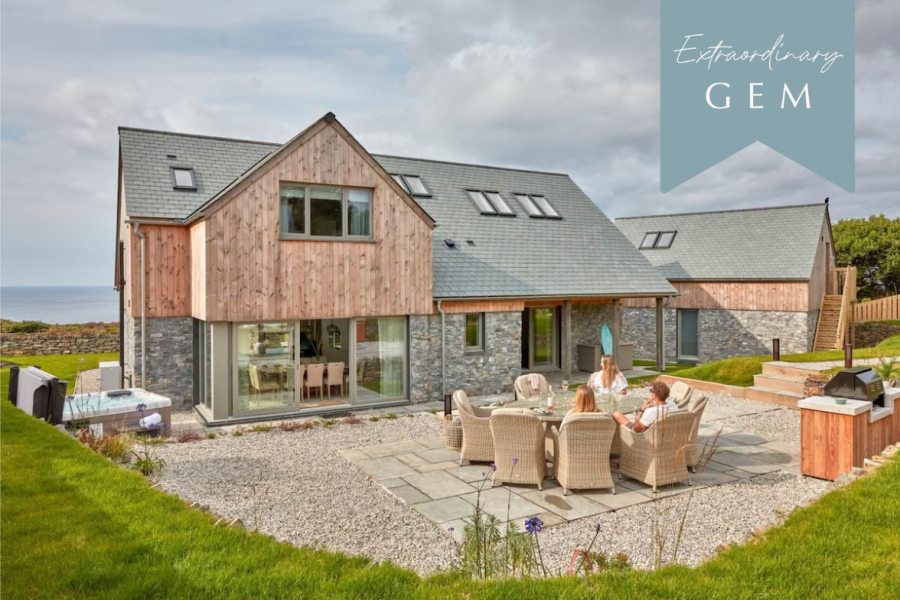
{"points": [[848, 356], [776, 349], [448, 406]]}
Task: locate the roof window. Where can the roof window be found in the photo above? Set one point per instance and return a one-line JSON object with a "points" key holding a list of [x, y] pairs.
{"points": [[658, 240], [183, 179], [537, 206], [499, 204], [412, 185]]}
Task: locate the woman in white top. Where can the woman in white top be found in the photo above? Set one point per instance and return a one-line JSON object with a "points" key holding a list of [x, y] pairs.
{"points": [[609, 380]]}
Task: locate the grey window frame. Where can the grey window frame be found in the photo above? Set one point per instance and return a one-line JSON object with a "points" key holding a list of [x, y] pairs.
{"points": [[643, 245], [510, 213], [481, 334], [175, 185], [556, 216], [526, 201], [409, 188], [491, 212], [345, 220], [656, 245], [659, 239], [679, 330], [400, 181]]}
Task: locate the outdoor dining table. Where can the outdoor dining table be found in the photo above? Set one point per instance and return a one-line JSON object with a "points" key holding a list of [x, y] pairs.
{"points": [[607, 403]]}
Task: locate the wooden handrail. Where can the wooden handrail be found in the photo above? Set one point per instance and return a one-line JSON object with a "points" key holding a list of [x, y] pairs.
{"points": [[845, 279]]}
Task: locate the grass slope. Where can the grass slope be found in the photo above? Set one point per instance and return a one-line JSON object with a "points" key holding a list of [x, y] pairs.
{"points": [[740, 371], [64, 366], [76, 526]]}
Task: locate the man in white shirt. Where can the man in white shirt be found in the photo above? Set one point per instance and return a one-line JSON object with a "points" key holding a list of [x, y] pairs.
{"points": [[651, 411]]}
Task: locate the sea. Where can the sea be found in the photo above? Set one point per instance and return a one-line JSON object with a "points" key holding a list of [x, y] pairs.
{"points": [[62, 305]]}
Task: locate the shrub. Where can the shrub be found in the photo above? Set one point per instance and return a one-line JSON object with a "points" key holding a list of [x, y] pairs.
{"points": [[210, 436], [390, 416], [352, 420], [292, 425], [374, 419], [238, 431], [146, 463], [329, 423], [262, 428], [114, 447], [188, 436], [28, 327]]}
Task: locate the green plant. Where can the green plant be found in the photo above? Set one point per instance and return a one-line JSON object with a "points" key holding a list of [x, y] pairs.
{"points": [[352, 420], [210, 436], [374, 419], [114, 447], [292, 425], [262, 428], [146, 463], [27, 327], [888, 369], [329, 423], [390, 416], [188, 436], [238, 431]]}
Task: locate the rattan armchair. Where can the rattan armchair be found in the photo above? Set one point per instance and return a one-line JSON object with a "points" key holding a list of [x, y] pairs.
{"points": [[657, 456], [693, 450], [523, 388], [518, 447], [581, 452], [680, 393], [477, 442]]}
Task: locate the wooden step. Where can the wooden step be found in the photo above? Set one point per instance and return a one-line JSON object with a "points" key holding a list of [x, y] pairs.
{"points": [[788, 370], [780, 382], [773, 396]]}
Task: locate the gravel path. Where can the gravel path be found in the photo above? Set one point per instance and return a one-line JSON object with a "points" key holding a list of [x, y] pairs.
{"points": [[88, 382], [717, 515], [315, 497]]}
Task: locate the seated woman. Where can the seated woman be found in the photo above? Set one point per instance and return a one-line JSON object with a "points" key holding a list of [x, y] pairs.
{"points": [[609, 380], [584, 403]]}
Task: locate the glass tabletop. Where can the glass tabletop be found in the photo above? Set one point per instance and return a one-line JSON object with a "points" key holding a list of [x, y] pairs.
{"points": [[607, 403]]}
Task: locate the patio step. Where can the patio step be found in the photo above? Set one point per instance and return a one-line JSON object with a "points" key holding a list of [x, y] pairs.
{"points": [[773, 396], [780, 382], [789, 370]]}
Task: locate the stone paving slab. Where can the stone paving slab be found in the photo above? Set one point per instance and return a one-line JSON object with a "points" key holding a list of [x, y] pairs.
{"points": [[439, 484], [504, 503], [572, 507]]}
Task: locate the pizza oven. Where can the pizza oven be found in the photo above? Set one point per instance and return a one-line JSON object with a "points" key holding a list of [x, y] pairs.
{"points": [[858, 383]]}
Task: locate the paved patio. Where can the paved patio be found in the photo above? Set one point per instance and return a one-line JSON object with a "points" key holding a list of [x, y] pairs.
{"points": [[427, 476]]}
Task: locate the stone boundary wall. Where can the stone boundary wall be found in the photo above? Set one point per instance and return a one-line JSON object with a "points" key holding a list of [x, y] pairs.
{"points": [[42, 343]]}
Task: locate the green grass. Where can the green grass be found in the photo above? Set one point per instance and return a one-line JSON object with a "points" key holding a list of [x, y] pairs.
{"points": [[740, 371], [76, 526], [63, 366]]}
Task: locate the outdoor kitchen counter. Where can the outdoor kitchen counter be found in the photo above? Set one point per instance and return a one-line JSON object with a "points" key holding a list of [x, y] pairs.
{"points": [[834, 438]]}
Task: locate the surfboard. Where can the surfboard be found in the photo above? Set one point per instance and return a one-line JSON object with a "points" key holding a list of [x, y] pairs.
{"points": [[606, 340]]}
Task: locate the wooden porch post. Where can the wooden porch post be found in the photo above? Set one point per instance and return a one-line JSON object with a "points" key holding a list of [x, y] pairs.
{"points": [[660, 338], [617, 312], [567, 339]]}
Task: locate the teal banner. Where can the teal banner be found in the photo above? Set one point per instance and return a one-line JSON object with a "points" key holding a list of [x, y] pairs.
{"points": [[779, 72]]}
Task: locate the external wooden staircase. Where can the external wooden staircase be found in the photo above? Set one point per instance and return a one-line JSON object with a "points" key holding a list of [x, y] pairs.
{"points": [[780, 383], [836, 315]]}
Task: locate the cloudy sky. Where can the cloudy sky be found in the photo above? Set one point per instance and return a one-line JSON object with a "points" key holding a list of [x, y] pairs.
{"points": [[572, 88]]}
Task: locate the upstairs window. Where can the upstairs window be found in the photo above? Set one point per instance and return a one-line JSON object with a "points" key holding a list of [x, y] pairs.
{"points": [[183, 179], [500, 204], [325, 212], [537, 206], [658, 240], [400, 182], [412, 185], [485, 207], [490, 203]]}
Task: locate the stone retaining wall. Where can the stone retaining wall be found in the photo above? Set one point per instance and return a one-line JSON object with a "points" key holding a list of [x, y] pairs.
{"points": [[41, 343]]}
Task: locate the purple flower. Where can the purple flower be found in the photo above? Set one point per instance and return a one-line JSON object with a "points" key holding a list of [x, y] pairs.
{"points": [[165, 426], [493, 466], [534, 525], [141, 407], [450, 529], [515, 461], [597, 527]]}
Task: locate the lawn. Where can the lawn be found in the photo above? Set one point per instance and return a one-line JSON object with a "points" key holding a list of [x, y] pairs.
{"points": [[76, 526], [64, 366], [740, 370]]}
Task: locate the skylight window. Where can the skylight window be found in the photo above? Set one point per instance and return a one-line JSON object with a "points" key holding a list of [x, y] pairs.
{"points": [[529, 206], [485, 207], [548, 210], [537, 206], [184, 179], [415, 185], [401, 183], [500, 204], [658, 240]]}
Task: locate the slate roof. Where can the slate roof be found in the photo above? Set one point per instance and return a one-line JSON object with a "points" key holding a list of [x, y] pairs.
{"points": [[582, 254], [769, 244]]}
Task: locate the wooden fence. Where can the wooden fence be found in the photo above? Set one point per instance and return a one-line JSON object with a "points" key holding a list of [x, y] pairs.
{"points": [[885, 309]]}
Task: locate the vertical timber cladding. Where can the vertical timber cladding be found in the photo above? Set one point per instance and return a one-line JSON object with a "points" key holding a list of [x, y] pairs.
{"points": [[167, 271], [252, 274]]}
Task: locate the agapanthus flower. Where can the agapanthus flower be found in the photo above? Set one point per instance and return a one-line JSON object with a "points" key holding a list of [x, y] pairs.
{"points": [[493, 466], [450, 529], [515, 461], [534, 525], [141, 407], [597, 526]]}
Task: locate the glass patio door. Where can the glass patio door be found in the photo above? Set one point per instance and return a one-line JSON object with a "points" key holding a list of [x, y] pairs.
{"points": [[688, 334], [544, 334]]}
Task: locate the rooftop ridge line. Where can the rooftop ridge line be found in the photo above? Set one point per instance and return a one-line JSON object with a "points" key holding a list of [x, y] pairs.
{"points": [[718, 212]]}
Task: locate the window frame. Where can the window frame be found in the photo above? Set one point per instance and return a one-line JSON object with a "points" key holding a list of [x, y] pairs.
{"points": [[655, 245], [492, 212], [176, 186], [345, 218], [522, 199], [643, 246], [556, 214], [510, 213], [481, 334], [409, 188], [659, 239]]}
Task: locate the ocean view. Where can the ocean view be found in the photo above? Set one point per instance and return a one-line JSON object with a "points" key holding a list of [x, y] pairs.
{"points": [[60, 304]]}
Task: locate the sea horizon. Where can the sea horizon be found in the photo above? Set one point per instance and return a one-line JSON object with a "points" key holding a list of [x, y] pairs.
{"points": [[61, 305]]}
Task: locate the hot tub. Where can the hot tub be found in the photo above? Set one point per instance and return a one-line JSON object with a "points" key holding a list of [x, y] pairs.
{"points": [[117, 410]]}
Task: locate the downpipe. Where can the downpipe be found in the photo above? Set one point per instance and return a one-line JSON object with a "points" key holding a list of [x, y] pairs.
{"points": [[443, 365], [137, 232]]}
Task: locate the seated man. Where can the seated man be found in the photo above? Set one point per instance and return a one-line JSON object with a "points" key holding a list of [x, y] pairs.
{"points": [[652, 409]]}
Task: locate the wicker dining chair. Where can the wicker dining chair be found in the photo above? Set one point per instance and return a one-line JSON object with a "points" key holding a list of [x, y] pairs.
{"points": [[519, 447], [581, 452], [523, 388], [477, 443], [693, 449], [335, 377], [657, 456], [260, 385], [680, 393], [315, 378]]}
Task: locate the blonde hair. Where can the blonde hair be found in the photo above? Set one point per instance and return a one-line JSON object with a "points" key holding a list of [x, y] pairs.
{"points": [[584, 400], [609, 371]]}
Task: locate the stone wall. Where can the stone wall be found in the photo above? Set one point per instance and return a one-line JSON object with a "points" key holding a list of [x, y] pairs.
{"points": [[491, 371], [587, 326], [723, 333], [170, 357], [40, 343]]}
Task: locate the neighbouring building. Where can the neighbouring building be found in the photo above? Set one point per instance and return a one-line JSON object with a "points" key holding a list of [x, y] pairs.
{"points": [[243, 265], [743, 277]]}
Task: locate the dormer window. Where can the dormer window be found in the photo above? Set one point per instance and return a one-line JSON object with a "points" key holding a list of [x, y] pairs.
{"points": [[183, 179]]}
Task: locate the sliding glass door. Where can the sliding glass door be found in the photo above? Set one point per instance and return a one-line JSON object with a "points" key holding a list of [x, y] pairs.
{"points": [[688, 334], [381, 359], [265, 371], [543, 338]]}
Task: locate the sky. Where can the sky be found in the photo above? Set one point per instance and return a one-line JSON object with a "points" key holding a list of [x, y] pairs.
{"points": [[570, 87]]}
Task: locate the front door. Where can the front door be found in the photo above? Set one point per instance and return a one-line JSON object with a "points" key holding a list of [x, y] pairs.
{"points": [[688, 334], [542, 349]]}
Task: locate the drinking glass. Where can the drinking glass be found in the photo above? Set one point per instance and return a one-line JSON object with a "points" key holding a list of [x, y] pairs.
{"points": [[565, 387]]}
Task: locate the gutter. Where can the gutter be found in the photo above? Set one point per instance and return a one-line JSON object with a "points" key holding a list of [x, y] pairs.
{"points": [[443, 366], [137, 232]]}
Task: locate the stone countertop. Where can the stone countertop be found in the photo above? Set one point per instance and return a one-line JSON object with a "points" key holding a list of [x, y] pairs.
{"points": [[853, 407]]}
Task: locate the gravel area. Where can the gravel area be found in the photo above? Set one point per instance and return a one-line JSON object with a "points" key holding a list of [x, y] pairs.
{"points": [[718, 515], [184, 416], [314, 496], [88, 382]]}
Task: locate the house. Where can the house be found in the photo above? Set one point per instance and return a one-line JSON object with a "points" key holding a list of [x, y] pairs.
{"points": [[243, 266], [744, 277]]}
